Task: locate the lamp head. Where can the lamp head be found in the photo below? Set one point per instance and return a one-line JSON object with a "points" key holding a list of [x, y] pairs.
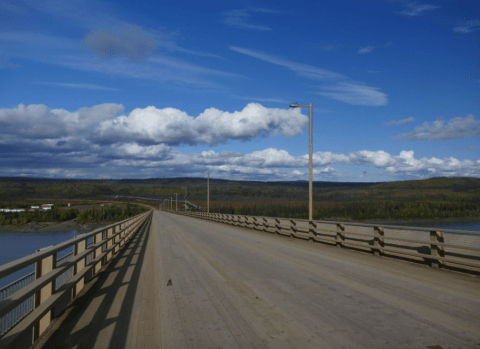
{"points": [[295, 105]]}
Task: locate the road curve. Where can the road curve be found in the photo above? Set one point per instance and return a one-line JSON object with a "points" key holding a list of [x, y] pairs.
{"points": [[189, 283]]}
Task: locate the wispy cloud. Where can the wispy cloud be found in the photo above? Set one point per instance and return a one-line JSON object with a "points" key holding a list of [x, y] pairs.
{"points": [[129, 60], [301, 69], [240, 19], [256, 99], [133, 43], [79, 85], [344, 90], [467, 26], [456, 128], [400, 122], [6, 5], [366, 49], [355, 94], [417, 9]]}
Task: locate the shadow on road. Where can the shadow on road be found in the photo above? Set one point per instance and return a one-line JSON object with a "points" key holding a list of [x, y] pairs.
{"points": [[81, 327]]}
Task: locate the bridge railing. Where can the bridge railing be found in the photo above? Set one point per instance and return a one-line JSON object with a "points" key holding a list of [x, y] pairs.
{"points": [[58, 280], [436, 247]]}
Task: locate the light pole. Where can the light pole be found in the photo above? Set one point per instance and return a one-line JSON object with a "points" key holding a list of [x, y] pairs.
{"points": [[176, 202], [171, 204], [310, 151], [185, 200], [208, 192]]}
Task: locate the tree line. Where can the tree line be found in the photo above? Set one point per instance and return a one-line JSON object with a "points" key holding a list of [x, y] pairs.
{"points": [[109, 214], [22, 218], [361, 210], [106, 214]]}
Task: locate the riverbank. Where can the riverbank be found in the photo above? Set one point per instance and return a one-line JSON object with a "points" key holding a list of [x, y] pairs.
{"points": [[425, 222], [53, 227]]}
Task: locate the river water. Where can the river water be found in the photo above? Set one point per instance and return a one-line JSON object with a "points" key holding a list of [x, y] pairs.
{"points": [[17, 245]]}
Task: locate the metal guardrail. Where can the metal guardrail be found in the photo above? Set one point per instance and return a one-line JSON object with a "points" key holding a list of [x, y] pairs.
{"points": [[54, 279], [16, 315], [436, 247], [22, 310]]}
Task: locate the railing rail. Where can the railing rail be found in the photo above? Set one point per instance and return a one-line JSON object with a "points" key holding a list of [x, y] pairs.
{"points": [[437, 247], [57, 279]]}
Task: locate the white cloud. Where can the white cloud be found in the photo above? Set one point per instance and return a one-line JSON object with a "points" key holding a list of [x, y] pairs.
{"points": [[345, 90], [400, 122], [256, 99], [213, 126], [38, 121], [37, 140], [304, 70], [417, 9], [240, 19], [456, 128], [467, 26], [366, 49], [131, 58], [355, 94], [85, 86]]}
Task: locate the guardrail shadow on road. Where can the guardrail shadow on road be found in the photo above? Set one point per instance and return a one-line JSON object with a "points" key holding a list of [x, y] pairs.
{"points": [[106, 289]]}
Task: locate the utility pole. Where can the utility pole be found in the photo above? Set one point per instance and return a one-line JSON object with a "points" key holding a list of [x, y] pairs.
{"points": [[185, 200], [171, 204], [208, 192], [176, 202]]}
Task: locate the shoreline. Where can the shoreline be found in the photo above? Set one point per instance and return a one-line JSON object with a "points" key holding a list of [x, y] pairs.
{"points": [[53, 227]]}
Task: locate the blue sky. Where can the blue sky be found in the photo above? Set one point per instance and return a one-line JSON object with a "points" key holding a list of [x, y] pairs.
{"points": [[95, 89]]}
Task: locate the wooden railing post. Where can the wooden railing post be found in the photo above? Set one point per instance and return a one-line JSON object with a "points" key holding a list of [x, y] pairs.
{"points": [[340, 238], [42, 267], [115, 239], [265, 225], [436, 250], [277, 226], [378, 240], [311, 231], [255, 223], [109, 255], [98, 251], [293, 228], [78, 248]]}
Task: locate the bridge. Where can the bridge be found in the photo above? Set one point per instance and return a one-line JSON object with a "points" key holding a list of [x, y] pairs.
{"points": [[198, 280]]}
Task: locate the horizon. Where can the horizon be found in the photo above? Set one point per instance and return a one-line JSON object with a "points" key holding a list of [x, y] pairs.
{"points": [[99, 89]]}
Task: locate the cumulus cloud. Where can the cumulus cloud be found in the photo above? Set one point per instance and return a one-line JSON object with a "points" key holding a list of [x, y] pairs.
{"points": [[132, 43], [467, 26], [39, 121], [172, 126], [366, 49], [400, 122], [417, 9], [355, 94], [456, 128], [39, 141]]}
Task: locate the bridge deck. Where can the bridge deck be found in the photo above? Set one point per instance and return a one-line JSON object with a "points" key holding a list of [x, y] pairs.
{"points": [[236, 288]]}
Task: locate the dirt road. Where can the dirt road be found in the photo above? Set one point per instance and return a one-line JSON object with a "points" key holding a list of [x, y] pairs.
{"points": [[190, 283]]}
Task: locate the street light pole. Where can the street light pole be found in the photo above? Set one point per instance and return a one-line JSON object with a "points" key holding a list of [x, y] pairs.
{"points": [[208, 192], [185, 200], [176, 202], [310, 154]]}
